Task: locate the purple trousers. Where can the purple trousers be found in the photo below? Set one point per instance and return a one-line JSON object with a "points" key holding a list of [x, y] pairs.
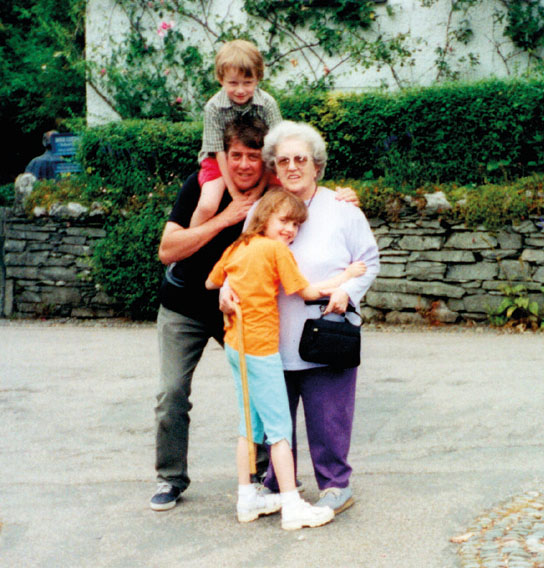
{"points": [[328, 399]]}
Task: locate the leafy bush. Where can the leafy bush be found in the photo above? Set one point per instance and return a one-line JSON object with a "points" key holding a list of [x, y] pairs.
{"points": [[377, 198], [78, 188], [495, 206], [6, 195], [42, 46], [469, 133], [125, 262], [134, 153], [517, 310], [485, 132]]}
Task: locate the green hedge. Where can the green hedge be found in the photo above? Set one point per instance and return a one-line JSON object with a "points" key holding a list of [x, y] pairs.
{"points": [[133, 152], [463, 133], [469, 133]]}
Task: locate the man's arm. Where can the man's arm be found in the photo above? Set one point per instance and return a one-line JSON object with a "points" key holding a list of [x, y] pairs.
{"points": [[178, 242]]}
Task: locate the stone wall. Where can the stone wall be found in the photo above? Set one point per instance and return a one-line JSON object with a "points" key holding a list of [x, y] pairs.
{"points": [[429, 270], [45, 267]]}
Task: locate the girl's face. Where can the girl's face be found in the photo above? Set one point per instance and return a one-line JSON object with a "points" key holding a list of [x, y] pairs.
{"points": [[295, 167], [281, 227]]}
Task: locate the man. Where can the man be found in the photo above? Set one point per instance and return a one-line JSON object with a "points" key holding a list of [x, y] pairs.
{"points": [[189, 315], [43, 166]]}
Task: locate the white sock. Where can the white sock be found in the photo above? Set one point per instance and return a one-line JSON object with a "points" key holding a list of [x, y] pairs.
{"points": [[246, 492], [289, 498]]}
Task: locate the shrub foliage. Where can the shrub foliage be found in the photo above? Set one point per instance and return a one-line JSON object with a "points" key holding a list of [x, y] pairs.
{"points": [[480, 144], [125, 262]]}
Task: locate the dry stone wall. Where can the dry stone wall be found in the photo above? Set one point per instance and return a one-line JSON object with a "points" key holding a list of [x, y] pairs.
{"points": [[430, 270], [46, 266], [445, 273]]}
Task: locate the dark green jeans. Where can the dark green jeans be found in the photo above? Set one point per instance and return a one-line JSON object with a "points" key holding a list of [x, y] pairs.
{"points": [[181, 342]]}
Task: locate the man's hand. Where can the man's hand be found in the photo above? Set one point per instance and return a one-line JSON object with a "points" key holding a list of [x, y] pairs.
{"points": [[338, 303], [348, 195]]}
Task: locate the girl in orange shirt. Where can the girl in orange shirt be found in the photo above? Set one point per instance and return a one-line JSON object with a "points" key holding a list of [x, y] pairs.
{"points": [[256, 264]]}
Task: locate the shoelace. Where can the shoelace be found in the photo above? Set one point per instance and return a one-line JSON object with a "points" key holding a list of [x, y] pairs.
{"points": [[163, 487], [333, 490]]}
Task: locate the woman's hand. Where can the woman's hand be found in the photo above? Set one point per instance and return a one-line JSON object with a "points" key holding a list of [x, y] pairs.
{"points": [[338, 302], [348, 195]]}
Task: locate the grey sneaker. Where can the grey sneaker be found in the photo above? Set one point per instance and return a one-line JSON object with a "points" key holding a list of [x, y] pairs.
{"points": [[302, 514], [259, 505], [337, 498], [165, 497]]}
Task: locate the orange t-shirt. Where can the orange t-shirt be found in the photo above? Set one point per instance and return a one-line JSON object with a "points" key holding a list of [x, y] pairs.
{"points": [[255, 271]]}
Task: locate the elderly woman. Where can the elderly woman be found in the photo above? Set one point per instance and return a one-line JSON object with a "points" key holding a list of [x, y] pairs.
{"points": [[335, 234]]}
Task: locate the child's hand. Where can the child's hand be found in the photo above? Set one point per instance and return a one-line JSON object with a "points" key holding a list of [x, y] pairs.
{"points": [[356, 269], [227, 299]]}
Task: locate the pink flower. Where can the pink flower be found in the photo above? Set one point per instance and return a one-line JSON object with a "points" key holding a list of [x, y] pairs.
{"points": [[179, 100], [103, 71], [164, 27]]}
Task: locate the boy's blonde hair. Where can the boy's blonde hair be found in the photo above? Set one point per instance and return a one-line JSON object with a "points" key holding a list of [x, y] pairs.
{"points": [[271, 202], [242, 56]]}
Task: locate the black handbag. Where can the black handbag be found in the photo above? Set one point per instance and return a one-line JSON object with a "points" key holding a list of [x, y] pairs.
{"points": [[333, 343]]}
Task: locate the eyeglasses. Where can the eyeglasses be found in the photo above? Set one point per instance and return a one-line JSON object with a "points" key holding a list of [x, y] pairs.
{"points": [[283, 162]]}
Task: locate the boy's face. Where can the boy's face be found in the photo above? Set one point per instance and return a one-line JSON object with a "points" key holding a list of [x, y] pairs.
{"points": [[281, 227], [239, 88]]}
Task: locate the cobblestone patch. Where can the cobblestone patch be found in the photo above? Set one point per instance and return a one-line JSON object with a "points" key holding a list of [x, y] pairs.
{"points": [[509, 536]]}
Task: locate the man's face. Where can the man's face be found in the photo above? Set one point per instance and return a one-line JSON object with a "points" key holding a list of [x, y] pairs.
{"points": [[245, 165]]}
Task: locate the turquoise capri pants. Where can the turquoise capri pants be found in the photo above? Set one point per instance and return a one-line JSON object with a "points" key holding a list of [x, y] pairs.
{"points": [[269, 405]]}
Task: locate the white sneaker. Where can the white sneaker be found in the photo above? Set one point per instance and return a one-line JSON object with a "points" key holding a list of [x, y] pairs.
{"points": [[258, 505], [302, 514]]}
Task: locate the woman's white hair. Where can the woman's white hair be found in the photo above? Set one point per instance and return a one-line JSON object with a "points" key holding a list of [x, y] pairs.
{"points": [[289, 130]]}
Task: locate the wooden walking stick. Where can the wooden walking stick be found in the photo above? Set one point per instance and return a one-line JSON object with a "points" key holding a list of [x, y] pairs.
{"points": [[245, 388]]}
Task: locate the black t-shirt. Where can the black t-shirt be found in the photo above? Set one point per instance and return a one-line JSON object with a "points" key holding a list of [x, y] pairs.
{"points": [[182, 289]]}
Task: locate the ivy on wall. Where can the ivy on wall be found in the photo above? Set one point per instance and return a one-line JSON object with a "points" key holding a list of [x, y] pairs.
{"points": [[164, 65]]}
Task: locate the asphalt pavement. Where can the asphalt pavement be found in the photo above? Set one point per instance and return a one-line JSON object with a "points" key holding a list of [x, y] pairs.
{"points": [[448, 429]]}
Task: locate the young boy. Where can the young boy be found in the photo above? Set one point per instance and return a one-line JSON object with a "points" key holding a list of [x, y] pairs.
{"points": [[256, 264], [239, 67]]}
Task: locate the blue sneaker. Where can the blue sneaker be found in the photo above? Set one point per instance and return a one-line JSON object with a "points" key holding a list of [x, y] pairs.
{"points": [[337, 498], [165, 497]]}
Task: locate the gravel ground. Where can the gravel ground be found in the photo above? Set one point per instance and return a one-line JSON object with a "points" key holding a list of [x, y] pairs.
{"points": [[447, 445]]}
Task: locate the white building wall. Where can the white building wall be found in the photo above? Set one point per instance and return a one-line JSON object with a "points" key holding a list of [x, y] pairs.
{"points": [[427, 28]]}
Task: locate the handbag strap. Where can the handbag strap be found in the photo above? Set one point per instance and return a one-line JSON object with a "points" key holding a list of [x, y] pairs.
{"points": [[322, 303]]}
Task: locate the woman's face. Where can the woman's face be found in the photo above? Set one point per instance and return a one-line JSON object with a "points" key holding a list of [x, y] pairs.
{"points": [[295, 167]]}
